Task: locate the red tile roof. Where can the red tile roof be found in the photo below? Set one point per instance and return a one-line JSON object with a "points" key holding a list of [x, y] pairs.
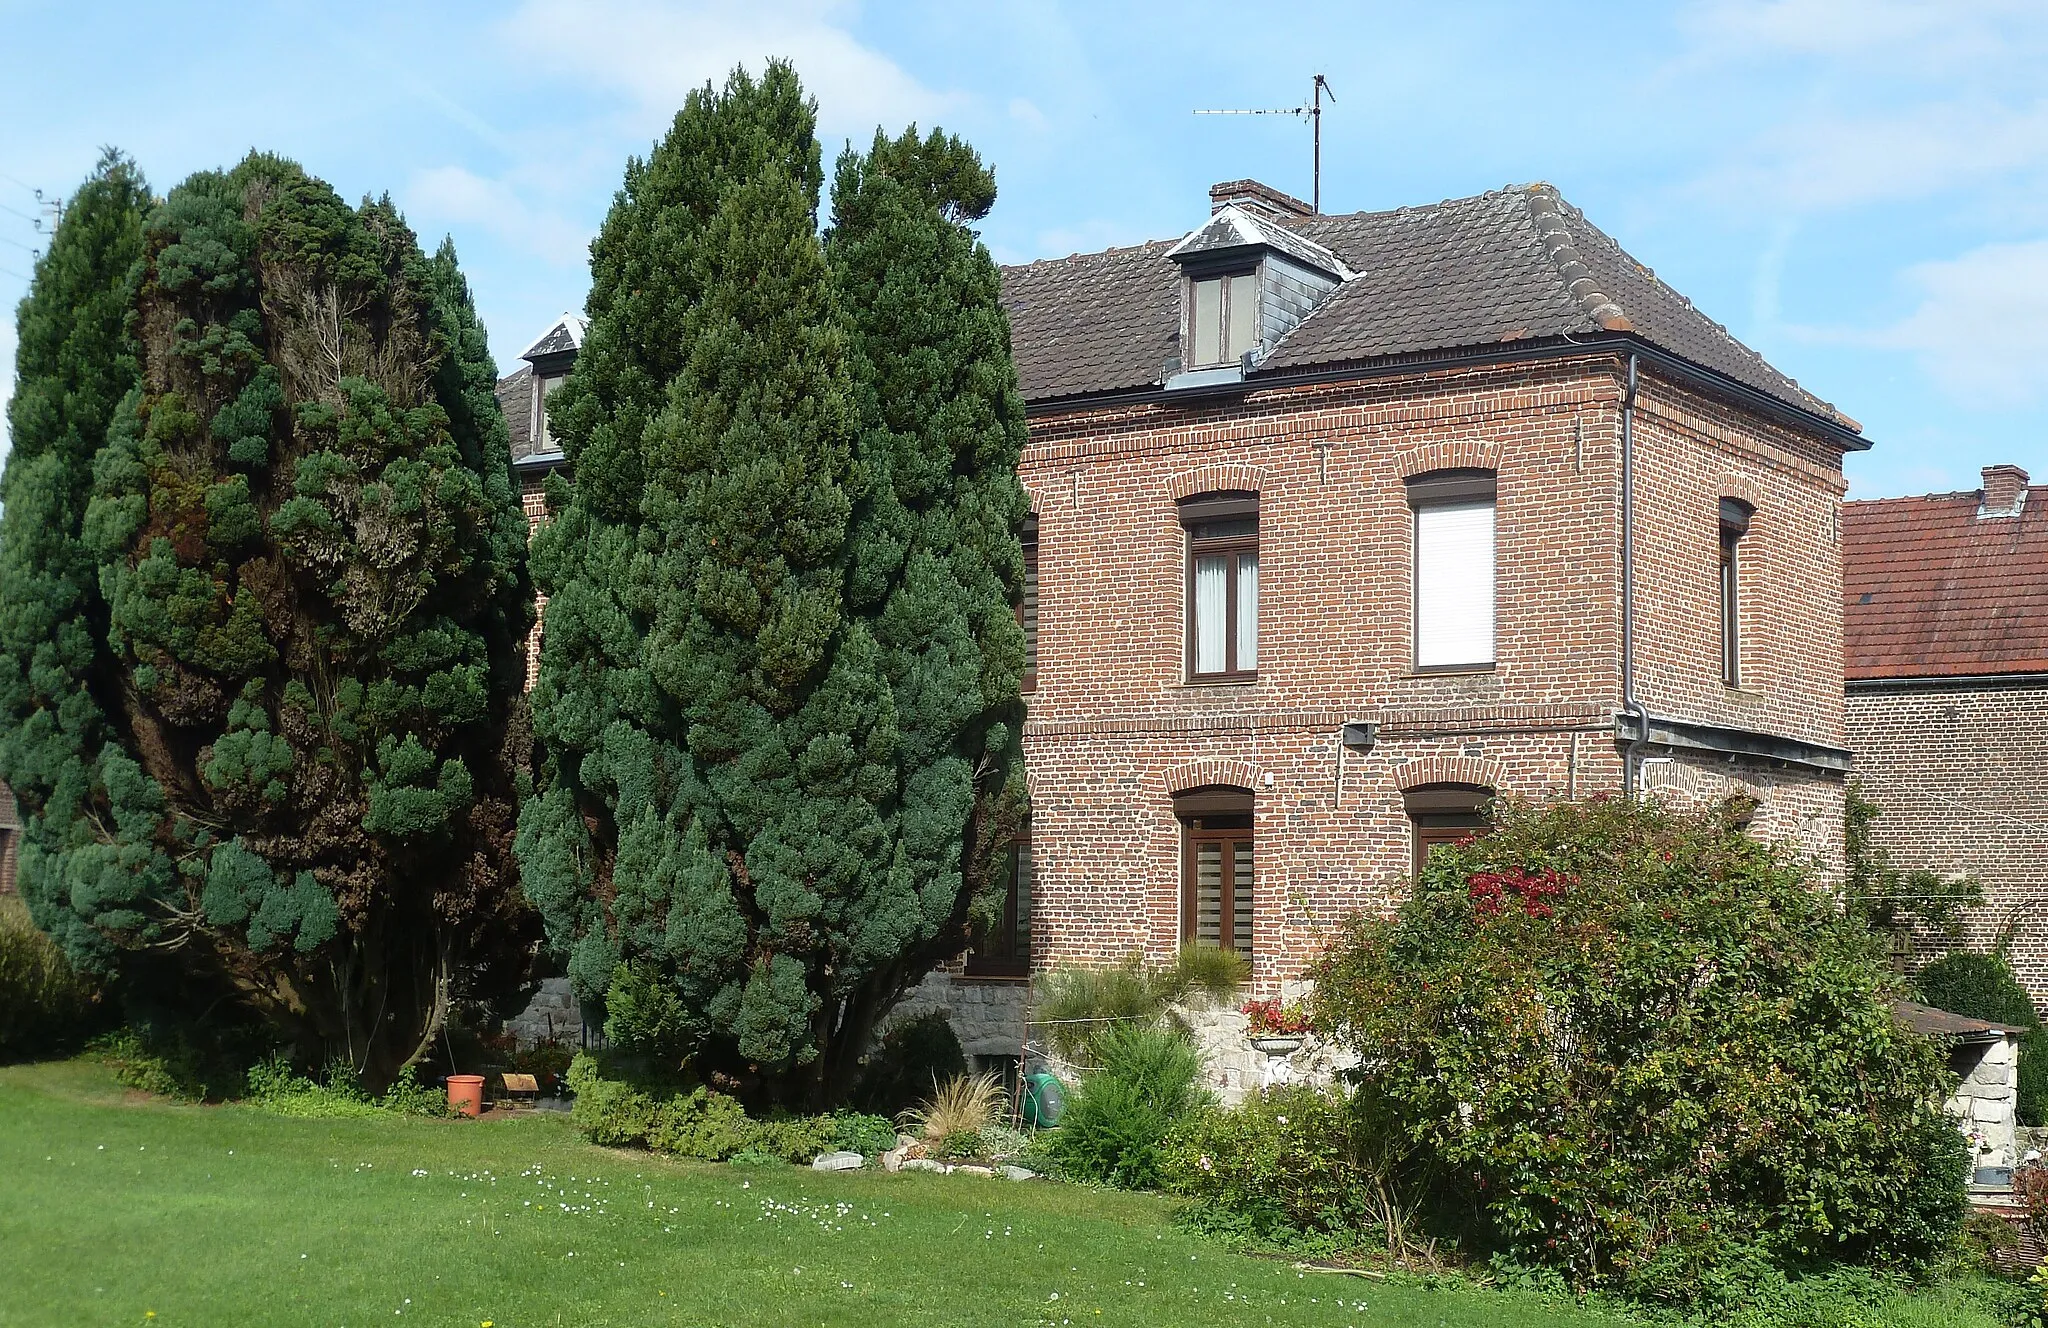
{"points": [[1932, 590]]}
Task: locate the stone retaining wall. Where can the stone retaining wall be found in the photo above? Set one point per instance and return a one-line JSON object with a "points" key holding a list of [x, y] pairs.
{"points": [[551, 1016]]}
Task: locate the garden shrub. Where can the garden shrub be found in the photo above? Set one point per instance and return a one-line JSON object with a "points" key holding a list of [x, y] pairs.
{"points": [[916, 1056], [1116, 1123], [1983, 986], [1639, 1043], [178, 1059], [608, 1111], [1280, 1169], [796, 1138], [278, 1088], [692, 1121], [46, 1006], [858, 1132]]}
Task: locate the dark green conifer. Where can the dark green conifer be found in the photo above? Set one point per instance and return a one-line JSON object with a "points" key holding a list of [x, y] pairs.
{"points": [[769, 682], [74, 364], [311, 563]]}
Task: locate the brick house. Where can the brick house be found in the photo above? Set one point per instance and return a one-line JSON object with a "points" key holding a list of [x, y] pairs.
{"points": [[1345, 524], [535, 454], [10, 839], [1946, 604]]}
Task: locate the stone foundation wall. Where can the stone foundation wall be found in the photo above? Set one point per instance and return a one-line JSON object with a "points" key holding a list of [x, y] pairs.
{"points": [[551, 1016], [987, 1014]]}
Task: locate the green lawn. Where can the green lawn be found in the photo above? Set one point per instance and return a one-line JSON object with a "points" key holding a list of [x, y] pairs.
{"points": [[113, 1207]]}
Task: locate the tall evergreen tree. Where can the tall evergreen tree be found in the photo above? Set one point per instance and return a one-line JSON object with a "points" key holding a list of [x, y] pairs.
{"points": [[737, 839], [310, 555], [74, 364]]}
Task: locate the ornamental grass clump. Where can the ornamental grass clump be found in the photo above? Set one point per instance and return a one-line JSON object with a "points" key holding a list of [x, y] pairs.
{"points": [[1075, 1006], [1643, 1049], [952, 1121]]}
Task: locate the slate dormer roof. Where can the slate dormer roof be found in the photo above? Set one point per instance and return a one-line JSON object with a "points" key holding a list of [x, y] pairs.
{"points": [[1233, 230], [1501, 269], [566, 335], [515, 399]]}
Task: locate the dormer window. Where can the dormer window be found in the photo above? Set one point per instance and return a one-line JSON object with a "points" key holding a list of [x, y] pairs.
{"points": [[543, 388], [1248, 282], [1223, 318]]}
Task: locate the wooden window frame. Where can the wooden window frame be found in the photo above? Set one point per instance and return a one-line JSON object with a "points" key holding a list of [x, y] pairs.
{"points": [[1030, 591], [1735, 515], [1196, 513], [1010, 963], [1201, 830], [1441, 814]]}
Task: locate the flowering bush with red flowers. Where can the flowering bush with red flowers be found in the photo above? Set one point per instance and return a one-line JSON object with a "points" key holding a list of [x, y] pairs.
{"points": [[1489, 891], [1270, 1018], [1641, 1049]]}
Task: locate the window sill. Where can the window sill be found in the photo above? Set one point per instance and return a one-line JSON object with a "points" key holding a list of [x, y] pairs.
{"points": [[994, 979], [1221, 680], [1452, 670]]}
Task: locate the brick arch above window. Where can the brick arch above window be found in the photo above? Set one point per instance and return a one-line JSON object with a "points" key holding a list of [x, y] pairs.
{"points": [[1460, 454], [1212, 772], [1219, 477], [1744, 490], [1448, 770]]}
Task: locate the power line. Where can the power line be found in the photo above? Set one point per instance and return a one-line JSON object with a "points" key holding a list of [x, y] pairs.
{"points": [[19, 245], [23, 215], [8, 271]]}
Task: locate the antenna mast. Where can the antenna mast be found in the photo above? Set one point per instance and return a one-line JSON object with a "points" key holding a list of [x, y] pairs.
{"points": [[1313, 110]]}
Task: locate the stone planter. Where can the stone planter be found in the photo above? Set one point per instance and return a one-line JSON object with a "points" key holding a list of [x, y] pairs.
{"points": [[1277, 1044]]}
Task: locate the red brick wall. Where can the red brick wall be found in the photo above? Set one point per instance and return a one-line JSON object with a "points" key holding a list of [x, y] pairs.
{"points": [[1113, 727], [10, 840], [534, 502], [1960, 775]]}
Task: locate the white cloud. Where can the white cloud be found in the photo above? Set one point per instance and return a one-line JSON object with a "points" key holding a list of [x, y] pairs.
{"points": [[1025, 112], [1924, 35], [656, 54], [1818, 163], [446, 195], [1981, 329]]}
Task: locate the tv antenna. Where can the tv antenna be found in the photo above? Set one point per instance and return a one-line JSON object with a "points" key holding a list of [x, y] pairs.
{"points": [[1313, 110]]}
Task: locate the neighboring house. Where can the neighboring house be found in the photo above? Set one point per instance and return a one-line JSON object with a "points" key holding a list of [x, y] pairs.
{"points": [[1946, 602], [10, 839], [1345, 525], [535, 454]]}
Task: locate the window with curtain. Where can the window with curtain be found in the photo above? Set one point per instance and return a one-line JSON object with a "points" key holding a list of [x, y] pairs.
{"points": [[1003, 947], [1223, 318], [1735, 515], [1454, 569], [1446, 814], [1217, 868], [1223, 586], [1027, 607]]}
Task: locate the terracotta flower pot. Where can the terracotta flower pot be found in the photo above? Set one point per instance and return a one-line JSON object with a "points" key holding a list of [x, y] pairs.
{"points": [[466, 1093]]}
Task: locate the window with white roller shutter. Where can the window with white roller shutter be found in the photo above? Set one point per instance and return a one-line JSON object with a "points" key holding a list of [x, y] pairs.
{"points": [[1454, 569]]}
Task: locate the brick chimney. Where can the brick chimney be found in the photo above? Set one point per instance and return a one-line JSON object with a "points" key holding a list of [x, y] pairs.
{"points": [[1262, 200], [2005, 492]]}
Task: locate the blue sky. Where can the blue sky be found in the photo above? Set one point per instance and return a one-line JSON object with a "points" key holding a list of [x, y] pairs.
{"points": [[1858, 188]]}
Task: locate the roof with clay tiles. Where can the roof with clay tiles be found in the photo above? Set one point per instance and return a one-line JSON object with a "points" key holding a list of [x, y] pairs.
{"points": [[1933, 589], [1496, 269]]}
